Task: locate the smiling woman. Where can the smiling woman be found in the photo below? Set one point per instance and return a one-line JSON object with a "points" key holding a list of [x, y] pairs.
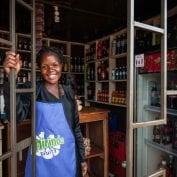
{"points": [[57, 119]]}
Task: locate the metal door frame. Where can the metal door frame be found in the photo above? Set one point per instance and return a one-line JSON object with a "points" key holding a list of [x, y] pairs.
{"points": [[14, 146], [131, 125]]}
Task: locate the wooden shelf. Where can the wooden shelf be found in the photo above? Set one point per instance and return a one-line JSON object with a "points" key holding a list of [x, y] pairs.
{"points": [[164, 148], [122, 80], [95, 121], [95, 152], [156, 109], [118, 55], [24, 51], [108, 103]]}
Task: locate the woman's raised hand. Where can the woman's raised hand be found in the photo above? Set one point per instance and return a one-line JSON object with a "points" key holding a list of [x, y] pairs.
{"points": [[12, 60]]}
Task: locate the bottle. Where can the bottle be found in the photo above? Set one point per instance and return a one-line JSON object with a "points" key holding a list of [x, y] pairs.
{"points": [[167, 133], [78, 68], [25, 44], [118, 45], [114, 47], [164, 166], [24, 77], [112, 97], [99, 95], [140, 41], [99, 72], [125, 43], [65, 67], [153, 95], [107, 71], [120, 72], [123, 72], [92, 73], [1, 76], [172, 171], [157, 133], [19, 44], [103, 71], [122, 43], [75, 65], [103, 52], [113, 74], [116, 73], [71, 65], [174, 142], [3, 114], [88, 72], [99, 50]]}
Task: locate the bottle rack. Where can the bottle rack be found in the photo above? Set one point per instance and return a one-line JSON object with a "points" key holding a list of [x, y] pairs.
{"points": [[106, 70]]}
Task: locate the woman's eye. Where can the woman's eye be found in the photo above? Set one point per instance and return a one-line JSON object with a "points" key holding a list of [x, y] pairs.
{"points": [[56, 65], [44, 67]]}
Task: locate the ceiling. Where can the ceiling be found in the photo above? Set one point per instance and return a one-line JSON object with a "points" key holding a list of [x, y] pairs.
{"points": [[84, 20]]}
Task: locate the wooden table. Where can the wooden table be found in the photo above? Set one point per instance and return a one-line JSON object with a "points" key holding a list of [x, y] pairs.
{"points": [[96, 128]]}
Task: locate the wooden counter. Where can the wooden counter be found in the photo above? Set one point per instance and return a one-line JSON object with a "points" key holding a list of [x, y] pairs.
{"points": [[95, 121]]}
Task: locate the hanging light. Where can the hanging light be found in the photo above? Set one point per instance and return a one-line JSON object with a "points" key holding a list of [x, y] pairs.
{"points": [[56, 14]]}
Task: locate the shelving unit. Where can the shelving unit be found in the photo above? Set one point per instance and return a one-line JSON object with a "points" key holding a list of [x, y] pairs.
{"points": [[96, 125], [108, 86]]}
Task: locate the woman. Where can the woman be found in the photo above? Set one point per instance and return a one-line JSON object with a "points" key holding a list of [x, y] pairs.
{"points": [[59, 141]]}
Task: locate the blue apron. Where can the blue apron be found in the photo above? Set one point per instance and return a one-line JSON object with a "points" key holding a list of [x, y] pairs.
{"points": [[55, 143]]}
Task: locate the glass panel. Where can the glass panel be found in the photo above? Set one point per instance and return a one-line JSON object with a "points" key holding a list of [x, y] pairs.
{"points": [[152, 153], [5, 167], [148, 97], [21, 162], [24, 141], [4, 17]]}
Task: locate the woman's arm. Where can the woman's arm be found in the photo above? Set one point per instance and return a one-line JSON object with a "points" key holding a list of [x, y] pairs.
{"points": [[23, 102]]}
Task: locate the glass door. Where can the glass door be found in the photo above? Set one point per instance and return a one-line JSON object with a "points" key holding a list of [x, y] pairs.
{"points": [[142, 160], [16, 137]]}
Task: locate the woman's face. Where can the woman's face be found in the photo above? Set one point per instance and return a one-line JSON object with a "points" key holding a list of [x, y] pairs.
{"points": [[51, 68]]}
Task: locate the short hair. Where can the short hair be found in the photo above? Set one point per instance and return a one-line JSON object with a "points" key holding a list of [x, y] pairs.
{"points": [[47, 49]]}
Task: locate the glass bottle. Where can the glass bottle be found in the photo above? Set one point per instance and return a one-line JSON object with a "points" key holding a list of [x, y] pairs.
{"points": [[99, 72], [172, 171], [174, 142], [157, 133], [167, 133], [153, 95], [103, 71], [114, 47]]}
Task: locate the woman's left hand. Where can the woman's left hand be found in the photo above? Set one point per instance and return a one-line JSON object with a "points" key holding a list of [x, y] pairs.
{"points": [[84, 169]]}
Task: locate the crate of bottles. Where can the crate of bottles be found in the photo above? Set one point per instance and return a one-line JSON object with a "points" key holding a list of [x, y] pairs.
{"points": [[117, 153], [152, 62]]}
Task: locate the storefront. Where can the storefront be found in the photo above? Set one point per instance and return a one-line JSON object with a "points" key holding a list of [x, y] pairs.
{"points": [[125, 78]]}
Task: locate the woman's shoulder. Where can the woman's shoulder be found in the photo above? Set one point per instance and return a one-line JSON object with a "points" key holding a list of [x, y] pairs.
{"points": [[39, 86], [68, 90]]}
